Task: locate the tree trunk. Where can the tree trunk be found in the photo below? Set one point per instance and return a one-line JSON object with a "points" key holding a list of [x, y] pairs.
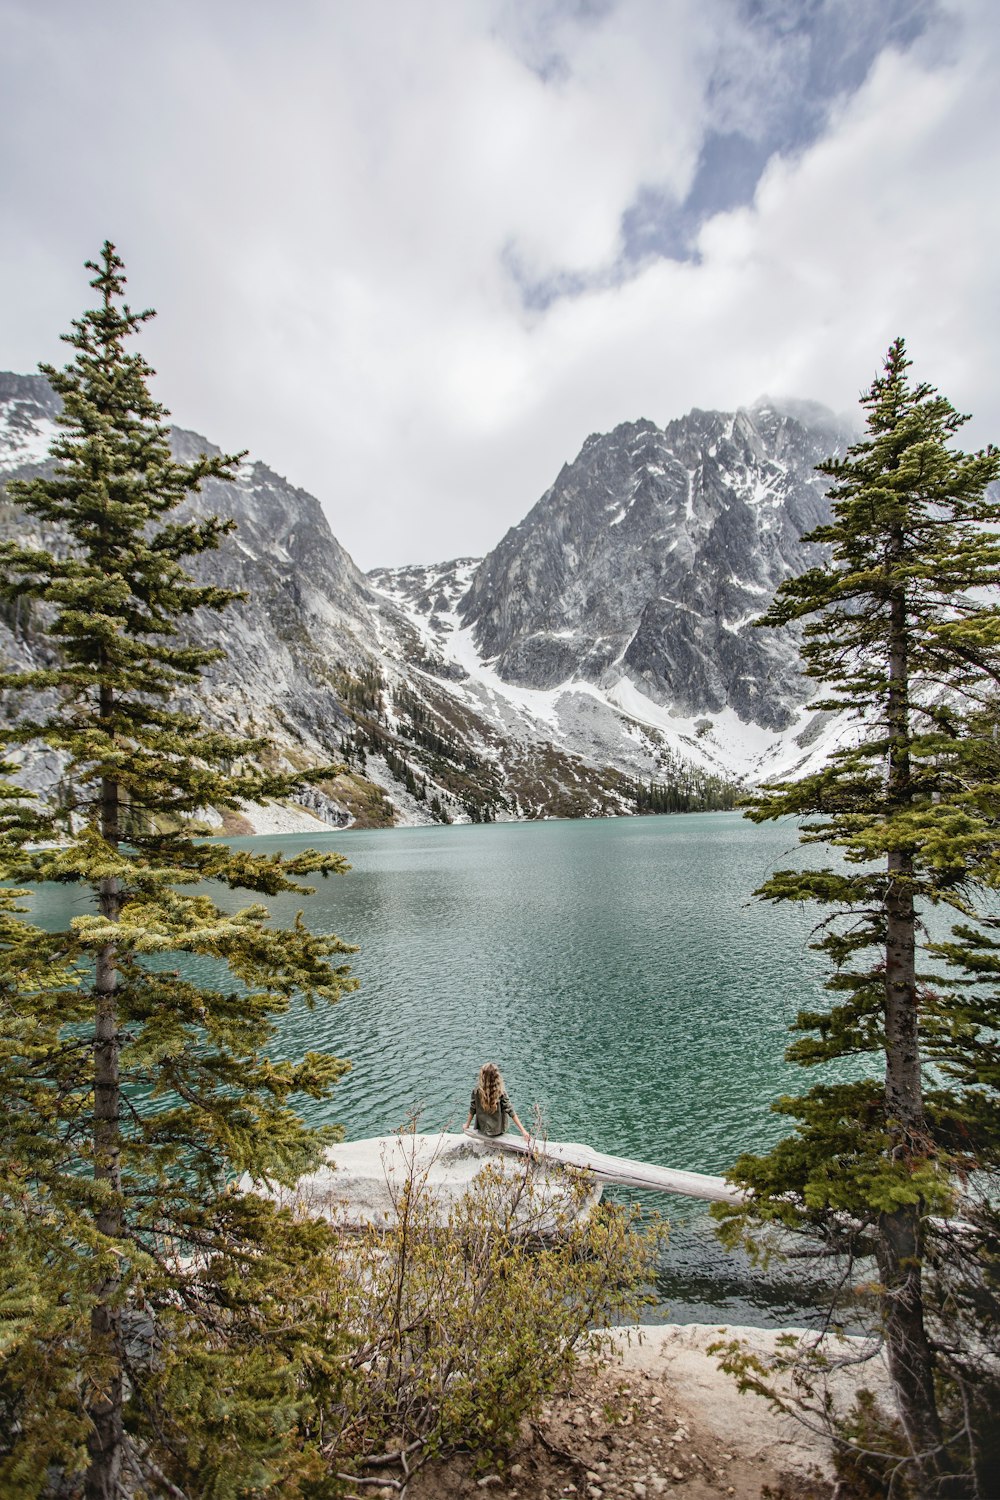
{"points": [[105, 1442], [911, 1364], [899, 1249]]}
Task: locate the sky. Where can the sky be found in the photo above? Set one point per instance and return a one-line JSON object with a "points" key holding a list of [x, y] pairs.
{"points": [[411, 254]]}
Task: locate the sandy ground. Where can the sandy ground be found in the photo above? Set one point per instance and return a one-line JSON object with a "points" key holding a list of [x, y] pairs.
{"points": [[659, 1419]]}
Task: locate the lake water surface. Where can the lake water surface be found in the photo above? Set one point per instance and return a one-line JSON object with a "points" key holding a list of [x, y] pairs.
{"points": [[633, 993]]}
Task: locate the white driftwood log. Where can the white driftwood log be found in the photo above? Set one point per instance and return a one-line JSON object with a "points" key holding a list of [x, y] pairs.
{"points": [[618, 1169]]}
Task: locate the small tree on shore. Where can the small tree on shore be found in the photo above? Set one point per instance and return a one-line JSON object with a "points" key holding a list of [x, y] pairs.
{"points": [[156, 1324], [900, 633]]}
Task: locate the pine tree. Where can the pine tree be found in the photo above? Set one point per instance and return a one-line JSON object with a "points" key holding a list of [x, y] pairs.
{"points": [[157, 1326], [899, 632]]}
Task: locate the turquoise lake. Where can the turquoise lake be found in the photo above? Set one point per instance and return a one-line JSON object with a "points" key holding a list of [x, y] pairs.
{"points": [[633, 993]]}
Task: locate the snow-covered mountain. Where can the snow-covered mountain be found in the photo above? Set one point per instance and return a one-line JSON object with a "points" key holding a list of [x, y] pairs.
{"points": [[623, 604], [307, 620], [603, 649], [649, 559]]}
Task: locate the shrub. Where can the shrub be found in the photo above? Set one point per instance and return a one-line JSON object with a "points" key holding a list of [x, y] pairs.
{"points": [[462, 1329]]}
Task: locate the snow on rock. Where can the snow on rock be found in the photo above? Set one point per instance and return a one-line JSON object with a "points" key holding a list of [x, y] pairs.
{"points": [[362, 1181], [609, 635], [616, 620], [281, 817], [24, 443], [708, 519]]}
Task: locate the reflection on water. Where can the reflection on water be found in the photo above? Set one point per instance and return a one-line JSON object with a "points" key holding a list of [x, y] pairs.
{"points": [[618, 972]]}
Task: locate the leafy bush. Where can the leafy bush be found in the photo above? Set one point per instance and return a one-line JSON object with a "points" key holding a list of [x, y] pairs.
{"points": [[461, 1329]]}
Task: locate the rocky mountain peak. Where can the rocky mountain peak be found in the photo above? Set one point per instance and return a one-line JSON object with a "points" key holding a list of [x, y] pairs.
{"points": [[29, 391], [650, 556], [308, 612], [600, 659]]}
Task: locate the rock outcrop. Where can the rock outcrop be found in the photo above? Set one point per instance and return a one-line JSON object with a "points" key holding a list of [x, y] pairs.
{"points": [[650, 557], [363, 1182]]}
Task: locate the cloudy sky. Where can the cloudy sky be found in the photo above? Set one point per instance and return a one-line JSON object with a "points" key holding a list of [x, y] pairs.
{"points": [[411, 252]]}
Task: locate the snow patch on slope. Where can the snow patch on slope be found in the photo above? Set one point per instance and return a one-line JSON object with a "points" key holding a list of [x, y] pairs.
{"points": [[23, 442], [275, 817], [720, 743]]}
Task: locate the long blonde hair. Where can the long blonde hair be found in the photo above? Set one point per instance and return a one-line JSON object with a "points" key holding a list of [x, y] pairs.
{"points": [[490, 1086]]}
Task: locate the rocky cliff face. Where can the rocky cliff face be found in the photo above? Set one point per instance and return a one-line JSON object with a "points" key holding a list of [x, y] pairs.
{"points": [[306, 623], [599, 660], [650, 556]]}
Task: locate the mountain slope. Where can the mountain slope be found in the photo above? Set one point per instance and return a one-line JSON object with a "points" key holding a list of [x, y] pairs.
{"points": [[598, 661], [619, 612], [306, 620], [649, 558]]}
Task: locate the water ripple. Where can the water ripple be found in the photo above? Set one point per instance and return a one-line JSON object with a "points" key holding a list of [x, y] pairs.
{"points": [[617, 970]]}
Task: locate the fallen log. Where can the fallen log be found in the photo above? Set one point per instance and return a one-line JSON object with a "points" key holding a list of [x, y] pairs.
{"points": [[621, 1170]]}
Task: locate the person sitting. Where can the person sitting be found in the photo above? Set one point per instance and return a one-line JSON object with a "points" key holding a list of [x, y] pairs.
{"points": [[489, 1106]]}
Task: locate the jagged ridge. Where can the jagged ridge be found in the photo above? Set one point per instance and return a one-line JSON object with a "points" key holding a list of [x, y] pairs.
{"points": [[649, 558], [598, 661]]}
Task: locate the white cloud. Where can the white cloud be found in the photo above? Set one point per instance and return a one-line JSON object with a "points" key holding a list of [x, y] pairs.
{"points": [[325, 209]]}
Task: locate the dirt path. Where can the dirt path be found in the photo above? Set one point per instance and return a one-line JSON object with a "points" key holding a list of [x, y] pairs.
{"points": [[659, 1421]]}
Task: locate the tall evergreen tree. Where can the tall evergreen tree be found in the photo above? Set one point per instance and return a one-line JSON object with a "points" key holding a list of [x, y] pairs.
{"points": [[156, 1329], [900, 633]]}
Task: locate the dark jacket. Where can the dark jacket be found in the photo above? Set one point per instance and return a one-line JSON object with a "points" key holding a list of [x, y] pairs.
{"points": [[485, 1122]]}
